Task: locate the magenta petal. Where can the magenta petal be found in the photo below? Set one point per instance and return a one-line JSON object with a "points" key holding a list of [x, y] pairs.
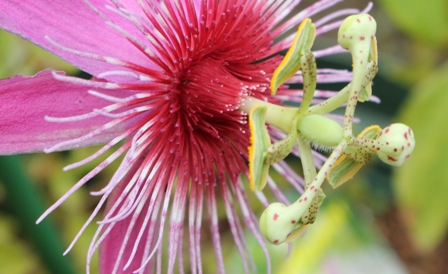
{"points": [[25, 101], [119, 243], [73, 24], [110, 248]]}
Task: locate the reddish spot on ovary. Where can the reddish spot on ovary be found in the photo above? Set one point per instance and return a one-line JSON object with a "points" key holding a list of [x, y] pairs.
{"points": [[276, 216], [391, 159]]}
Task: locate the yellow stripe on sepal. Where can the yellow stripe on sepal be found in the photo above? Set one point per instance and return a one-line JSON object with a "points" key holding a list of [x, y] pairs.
{"points": [[291, 63]]}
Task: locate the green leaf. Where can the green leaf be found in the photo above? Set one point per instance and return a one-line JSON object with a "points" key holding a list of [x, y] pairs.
{"points": [[21, 57], [421, 19], [422, 183]]}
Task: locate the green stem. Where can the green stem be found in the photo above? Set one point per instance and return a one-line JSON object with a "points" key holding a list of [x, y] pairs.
{"points": [[278, 116], [309, 81], [25, 201], [306, 156], [331, 103]]}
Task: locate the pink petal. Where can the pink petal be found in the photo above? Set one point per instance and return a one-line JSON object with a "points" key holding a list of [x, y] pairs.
{"points": [[112, 245], [25, 101], [73, 24], [139, 231]]}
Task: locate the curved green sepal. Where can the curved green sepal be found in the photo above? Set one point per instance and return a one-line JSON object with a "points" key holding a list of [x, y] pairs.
{"points": [[291, 63]]}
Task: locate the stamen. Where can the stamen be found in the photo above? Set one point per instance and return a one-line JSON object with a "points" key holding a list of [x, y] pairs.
{"points": [[250, 220], [124, 113], [368, 8], [106, 147], [118, 73], [276, 191], [123, 170], [299, 17], [110, 60], [235, 226], [143, 229], [328, 27], [140, 95], [109, 97], [76, 52], [71, 118], [336, 14], [78, 140], [324, 76], [279, 10], [290, 175], [166, 201], [80, 183], [89, 220], [134, 192], [89, 83], [125, 240], [262, 198], [336, 49]]}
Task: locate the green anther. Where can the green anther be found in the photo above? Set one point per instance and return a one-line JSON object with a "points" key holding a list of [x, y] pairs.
{"points": [[260, 141], [354, 157], [291, 63], [343, 171]]}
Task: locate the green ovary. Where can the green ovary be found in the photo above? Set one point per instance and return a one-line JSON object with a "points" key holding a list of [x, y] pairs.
{"points": [[321, 130]]}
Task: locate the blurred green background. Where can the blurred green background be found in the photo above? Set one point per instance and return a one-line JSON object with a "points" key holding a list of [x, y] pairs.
{"points": [[386, 220]]}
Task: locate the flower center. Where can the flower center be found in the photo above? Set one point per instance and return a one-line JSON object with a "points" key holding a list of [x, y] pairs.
{"points": [[204, 94]]}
